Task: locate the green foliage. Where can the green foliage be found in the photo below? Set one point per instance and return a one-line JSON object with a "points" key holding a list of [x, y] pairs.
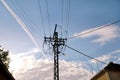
{"points": [[4, 57]]}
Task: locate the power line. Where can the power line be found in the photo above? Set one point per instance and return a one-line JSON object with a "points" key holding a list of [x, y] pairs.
{"points": [[29, 20], [48, 17], [20, 22], [62, 28], [62, 12], [40, 10], [68, 14], [26, 19], [85, 54], [94, 29]]}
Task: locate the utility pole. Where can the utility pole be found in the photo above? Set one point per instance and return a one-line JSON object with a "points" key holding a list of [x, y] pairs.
{"points": [[56, 43]]}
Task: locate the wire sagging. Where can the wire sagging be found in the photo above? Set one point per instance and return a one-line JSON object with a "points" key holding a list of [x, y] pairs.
{"points": [[94, 29], [68, 14], [48, 17], [85, 54], [40, 10]]}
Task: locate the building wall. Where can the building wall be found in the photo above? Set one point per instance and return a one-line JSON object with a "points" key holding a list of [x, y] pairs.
{"points": [[105, 76], [111, 75], [114, 75]]}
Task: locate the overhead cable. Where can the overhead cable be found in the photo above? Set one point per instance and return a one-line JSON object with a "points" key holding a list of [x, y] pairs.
{"points": [[40, 10], [20, 22], [85, 54], [62, 12], [27, 19], [94, 29], [48, 17], [68, 14]]}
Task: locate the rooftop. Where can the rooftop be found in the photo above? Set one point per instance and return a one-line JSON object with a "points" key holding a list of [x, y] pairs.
{"points": [[110, 67]]}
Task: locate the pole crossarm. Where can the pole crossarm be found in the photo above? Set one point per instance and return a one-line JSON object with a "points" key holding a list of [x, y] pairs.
{"points": [[60, 41]]}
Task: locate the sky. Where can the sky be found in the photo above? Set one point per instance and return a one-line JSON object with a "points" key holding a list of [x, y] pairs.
{"points": [[25, 23]]}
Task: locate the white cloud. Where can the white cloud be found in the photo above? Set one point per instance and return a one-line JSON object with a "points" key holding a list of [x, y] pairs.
{"points": [[102, 58], [18, 60], [119, 59], [103, 35], [116, 51], [108, 57], [27, 67]]}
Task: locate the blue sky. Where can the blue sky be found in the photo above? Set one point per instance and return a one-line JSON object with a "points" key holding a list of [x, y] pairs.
{"points": [[17, 33]]}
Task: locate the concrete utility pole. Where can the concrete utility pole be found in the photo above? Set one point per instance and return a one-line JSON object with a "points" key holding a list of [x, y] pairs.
{"points": [[56, 43]]}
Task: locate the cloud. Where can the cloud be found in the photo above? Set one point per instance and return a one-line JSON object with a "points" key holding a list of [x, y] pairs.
{"points": [[24, 66], [116, 51], [27, 67], [17, 59], [103, 35], [103, 58]]}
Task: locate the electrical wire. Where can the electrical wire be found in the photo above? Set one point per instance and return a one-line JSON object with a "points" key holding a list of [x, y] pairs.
{"points": [[20, 22], [48, 17], [63, 29], [68, 15], [40, 10], [94, 29], [97, 66], [62, 12], [85, 54], [26, 19], [22, 16], [29, 19]]}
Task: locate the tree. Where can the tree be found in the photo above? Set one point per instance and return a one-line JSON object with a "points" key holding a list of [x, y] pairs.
{"points": [[4, 57]]}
